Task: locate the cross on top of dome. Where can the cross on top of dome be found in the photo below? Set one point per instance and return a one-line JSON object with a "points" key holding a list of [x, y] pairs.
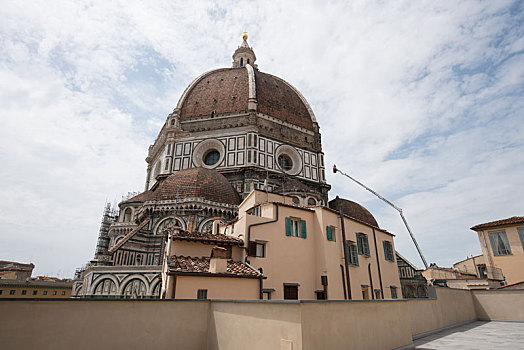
{"points": [[244, 55]]}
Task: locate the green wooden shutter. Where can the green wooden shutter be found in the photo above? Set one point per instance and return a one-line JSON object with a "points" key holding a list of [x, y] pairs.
{"points": [[359, 244], [329, 233], [288, 226], [354, 255], [385, 250], [303, 229], [366, 245]]}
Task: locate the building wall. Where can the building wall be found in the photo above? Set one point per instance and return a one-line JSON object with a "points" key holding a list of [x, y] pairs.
{"points": [[305, 260], [245, 324], [499, 304], [452, 306], [510, 264], [50, 291], [470, 265], [217, 287]]}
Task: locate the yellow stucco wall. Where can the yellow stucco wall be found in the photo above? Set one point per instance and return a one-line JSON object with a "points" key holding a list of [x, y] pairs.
{"points": [[512, 265], [451, 306], [304, 261], [114, 324], [355, 325], [499, 304], [41, 292], [217, 287]]}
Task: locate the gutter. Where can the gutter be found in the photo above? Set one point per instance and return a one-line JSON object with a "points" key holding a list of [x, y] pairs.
{"points": [[346, 257], [371, 282], [378, 264]]}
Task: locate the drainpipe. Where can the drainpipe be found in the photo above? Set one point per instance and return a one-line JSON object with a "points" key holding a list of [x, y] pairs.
{"points": [[378, 263], [343, 282], [371, 281], [257, 224], [346, 257]]}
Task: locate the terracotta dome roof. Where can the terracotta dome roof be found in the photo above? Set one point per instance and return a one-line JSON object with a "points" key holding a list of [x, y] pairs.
{"points": [[227, 90], [197, 182], [353, 210]]}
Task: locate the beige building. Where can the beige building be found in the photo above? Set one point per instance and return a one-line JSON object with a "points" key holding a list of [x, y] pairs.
{"points": [[502, 244], [16, 282], [310, 253], [207, 266]]}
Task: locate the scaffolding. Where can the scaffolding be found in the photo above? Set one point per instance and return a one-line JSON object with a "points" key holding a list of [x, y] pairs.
{"points": [[109, 216]]}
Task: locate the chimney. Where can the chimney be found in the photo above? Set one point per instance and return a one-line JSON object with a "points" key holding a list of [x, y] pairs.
{"points": [[216, 222], [218, 261]]}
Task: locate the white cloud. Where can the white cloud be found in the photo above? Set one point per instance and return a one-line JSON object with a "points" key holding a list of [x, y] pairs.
{"points": [[419, 100]]}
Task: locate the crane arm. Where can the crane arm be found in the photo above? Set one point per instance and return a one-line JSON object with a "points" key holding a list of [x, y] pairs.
{"points": [[335, 170]]}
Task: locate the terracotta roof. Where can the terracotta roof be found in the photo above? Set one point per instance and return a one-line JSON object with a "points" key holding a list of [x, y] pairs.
{"points": [[222, 90], [277, 99], [226, 90], [188, 264], [197, 182], [141, 197], [353, 210], [207, 237], [509, 221]]}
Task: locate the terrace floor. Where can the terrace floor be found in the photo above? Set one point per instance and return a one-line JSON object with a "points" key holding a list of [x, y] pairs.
{"points": [[476, 335]]}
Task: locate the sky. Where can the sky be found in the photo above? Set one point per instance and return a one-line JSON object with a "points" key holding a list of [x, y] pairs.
{"points": [[420, 100]]}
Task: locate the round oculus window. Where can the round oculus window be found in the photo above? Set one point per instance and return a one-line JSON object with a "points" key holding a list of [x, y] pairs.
{"points": [[211, 157], [285, 162]]}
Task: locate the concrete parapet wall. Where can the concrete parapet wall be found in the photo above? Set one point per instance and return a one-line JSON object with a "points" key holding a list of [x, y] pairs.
{"points": [[451, 307], [499, 304], [216, 324]]}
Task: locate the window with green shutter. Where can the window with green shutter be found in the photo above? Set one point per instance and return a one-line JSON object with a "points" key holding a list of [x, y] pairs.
{"points": [[330, 233], [288, 227], [388, 251], [303, 229], [363, 244], [352, 253], [296, 227]]}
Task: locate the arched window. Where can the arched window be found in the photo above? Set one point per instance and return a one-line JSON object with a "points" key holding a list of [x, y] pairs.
{"points": [[127, 215], [135, 289], [105, 287], [311, 201], [296, 200], [241, 61]]}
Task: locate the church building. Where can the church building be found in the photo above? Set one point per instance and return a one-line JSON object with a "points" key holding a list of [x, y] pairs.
{"points": [[234, 131]]}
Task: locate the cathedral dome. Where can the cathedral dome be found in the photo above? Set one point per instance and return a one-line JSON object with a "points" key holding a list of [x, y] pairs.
{"points": [[353, 210], [244, 88], [197, 182]]}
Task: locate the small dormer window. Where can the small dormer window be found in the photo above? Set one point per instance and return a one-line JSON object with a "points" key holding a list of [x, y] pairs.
{"points": [[241, 61]]}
